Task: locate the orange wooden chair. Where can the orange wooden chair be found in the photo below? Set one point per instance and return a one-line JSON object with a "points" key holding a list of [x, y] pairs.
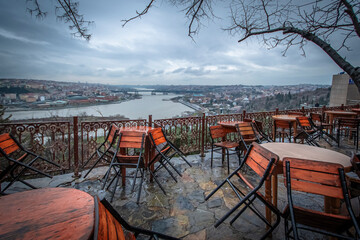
{"points": [[319, 178], [165, 151], [259, 131], [105, 151], [319, 122], [262, 162], [110, 225], [283, 129], [247, 135], [218, 143], [20, 160], [128, 153]]}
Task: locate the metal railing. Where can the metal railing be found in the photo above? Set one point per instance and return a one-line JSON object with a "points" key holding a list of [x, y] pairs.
{"points": [[70, 143]]}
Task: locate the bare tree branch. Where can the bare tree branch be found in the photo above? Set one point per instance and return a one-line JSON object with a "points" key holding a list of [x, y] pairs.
{"points": [[71, 14], [350, 11], [139, 14]]}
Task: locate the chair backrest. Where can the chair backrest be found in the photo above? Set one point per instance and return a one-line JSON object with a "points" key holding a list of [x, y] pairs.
{"points": [[131, 139], [8, 144], [246, 130], [321, 178], [217, 131], [261, 160], [157, 136], [304, 123], [106, 225], [282, 124], [111, 136], [316, 117]]}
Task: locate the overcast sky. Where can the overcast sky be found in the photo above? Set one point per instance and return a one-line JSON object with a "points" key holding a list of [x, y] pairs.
{"points": [[152, 50]]}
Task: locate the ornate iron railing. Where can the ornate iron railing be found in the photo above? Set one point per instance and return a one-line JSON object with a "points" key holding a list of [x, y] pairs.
{"points": [[50, 139], [70, 143], [183, 132]]}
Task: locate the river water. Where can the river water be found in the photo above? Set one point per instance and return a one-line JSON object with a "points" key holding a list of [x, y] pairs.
{"points": [[139, 108]]}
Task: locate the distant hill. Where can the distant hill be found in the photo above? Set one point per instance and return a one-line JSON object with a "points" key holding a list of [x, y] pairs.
{"points": [[316, 98]]}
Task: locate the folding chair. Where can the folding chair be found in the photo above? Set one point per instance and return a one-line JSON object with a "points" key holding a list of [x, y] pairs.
{"points": [[350, 126], [109, 225], [282, 128], [219, 144], [247, 136], [258, 128], [308, 131], [19, 160], [165, 151], [128, 141], [262, 162], [319, 122], [106, 150], [319, 178]]}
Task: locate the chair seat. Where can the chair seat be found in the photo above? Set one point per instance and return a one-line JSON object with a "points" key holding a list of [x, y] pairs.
{"points": [[227, 144]]}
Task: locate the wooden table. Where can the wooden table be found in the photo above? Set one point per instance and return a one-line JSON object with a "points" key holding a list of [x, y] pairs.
{"points": [[305, 152], [48, 213], [288, 118], [331, 115]]}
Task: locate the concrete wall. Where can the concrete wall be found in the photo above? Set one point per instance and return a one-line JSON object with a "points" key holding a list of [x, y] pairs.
{"points": [[343, 91]]}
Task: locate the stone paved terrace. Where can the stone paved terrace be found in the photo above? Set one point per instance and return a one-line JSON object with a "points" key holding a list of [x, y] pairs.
{"points": [[183, 212]]}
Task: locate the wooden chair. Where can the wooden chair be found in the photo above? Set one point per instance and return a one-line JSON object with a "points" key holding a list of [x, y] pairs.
{"points": [[165, 151], [106, 150], [320, 178], [128, 154], [110, 225], [262, 162], [350, 126], [308, 131], [282, 129], [247, 135], [258, 128], [319, 121], [20, 160], [218, 143]]}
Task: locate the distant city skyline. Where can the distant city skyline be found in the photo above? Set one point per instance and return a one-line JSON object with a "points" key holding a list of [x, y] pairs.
{"points": [[153, 50]]}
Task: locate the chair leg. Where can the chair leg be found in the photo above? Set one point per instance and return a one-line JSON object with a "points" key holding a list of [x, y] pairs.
{"points": [[212, 153], [228, 161]]}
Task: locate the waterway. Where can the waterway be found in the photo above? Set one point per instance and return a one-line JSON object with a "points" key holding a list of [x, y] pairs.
{"points": [[159, 106]]}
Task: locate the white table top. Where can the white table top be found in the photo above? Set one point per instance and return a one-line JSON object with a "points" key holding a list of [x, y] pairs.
{"points": [[304, 151]]}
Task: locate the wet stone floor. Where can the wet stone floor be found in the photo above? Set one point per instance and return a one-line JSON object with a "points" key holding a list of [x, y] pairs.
{"points": [[183, 211]]}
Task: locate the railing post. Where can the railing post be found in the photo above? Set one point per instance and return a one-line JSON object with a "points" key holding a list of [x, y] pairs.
{"points": [[244, 113], [76, 147], [342, 107], [202, 150], [276, 111], [150, 120]]}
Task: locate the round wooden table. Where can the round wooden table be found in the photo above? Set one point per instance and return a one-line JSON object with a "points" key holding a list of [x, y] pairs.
{"points": [[48, 213], [302, 151]]}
